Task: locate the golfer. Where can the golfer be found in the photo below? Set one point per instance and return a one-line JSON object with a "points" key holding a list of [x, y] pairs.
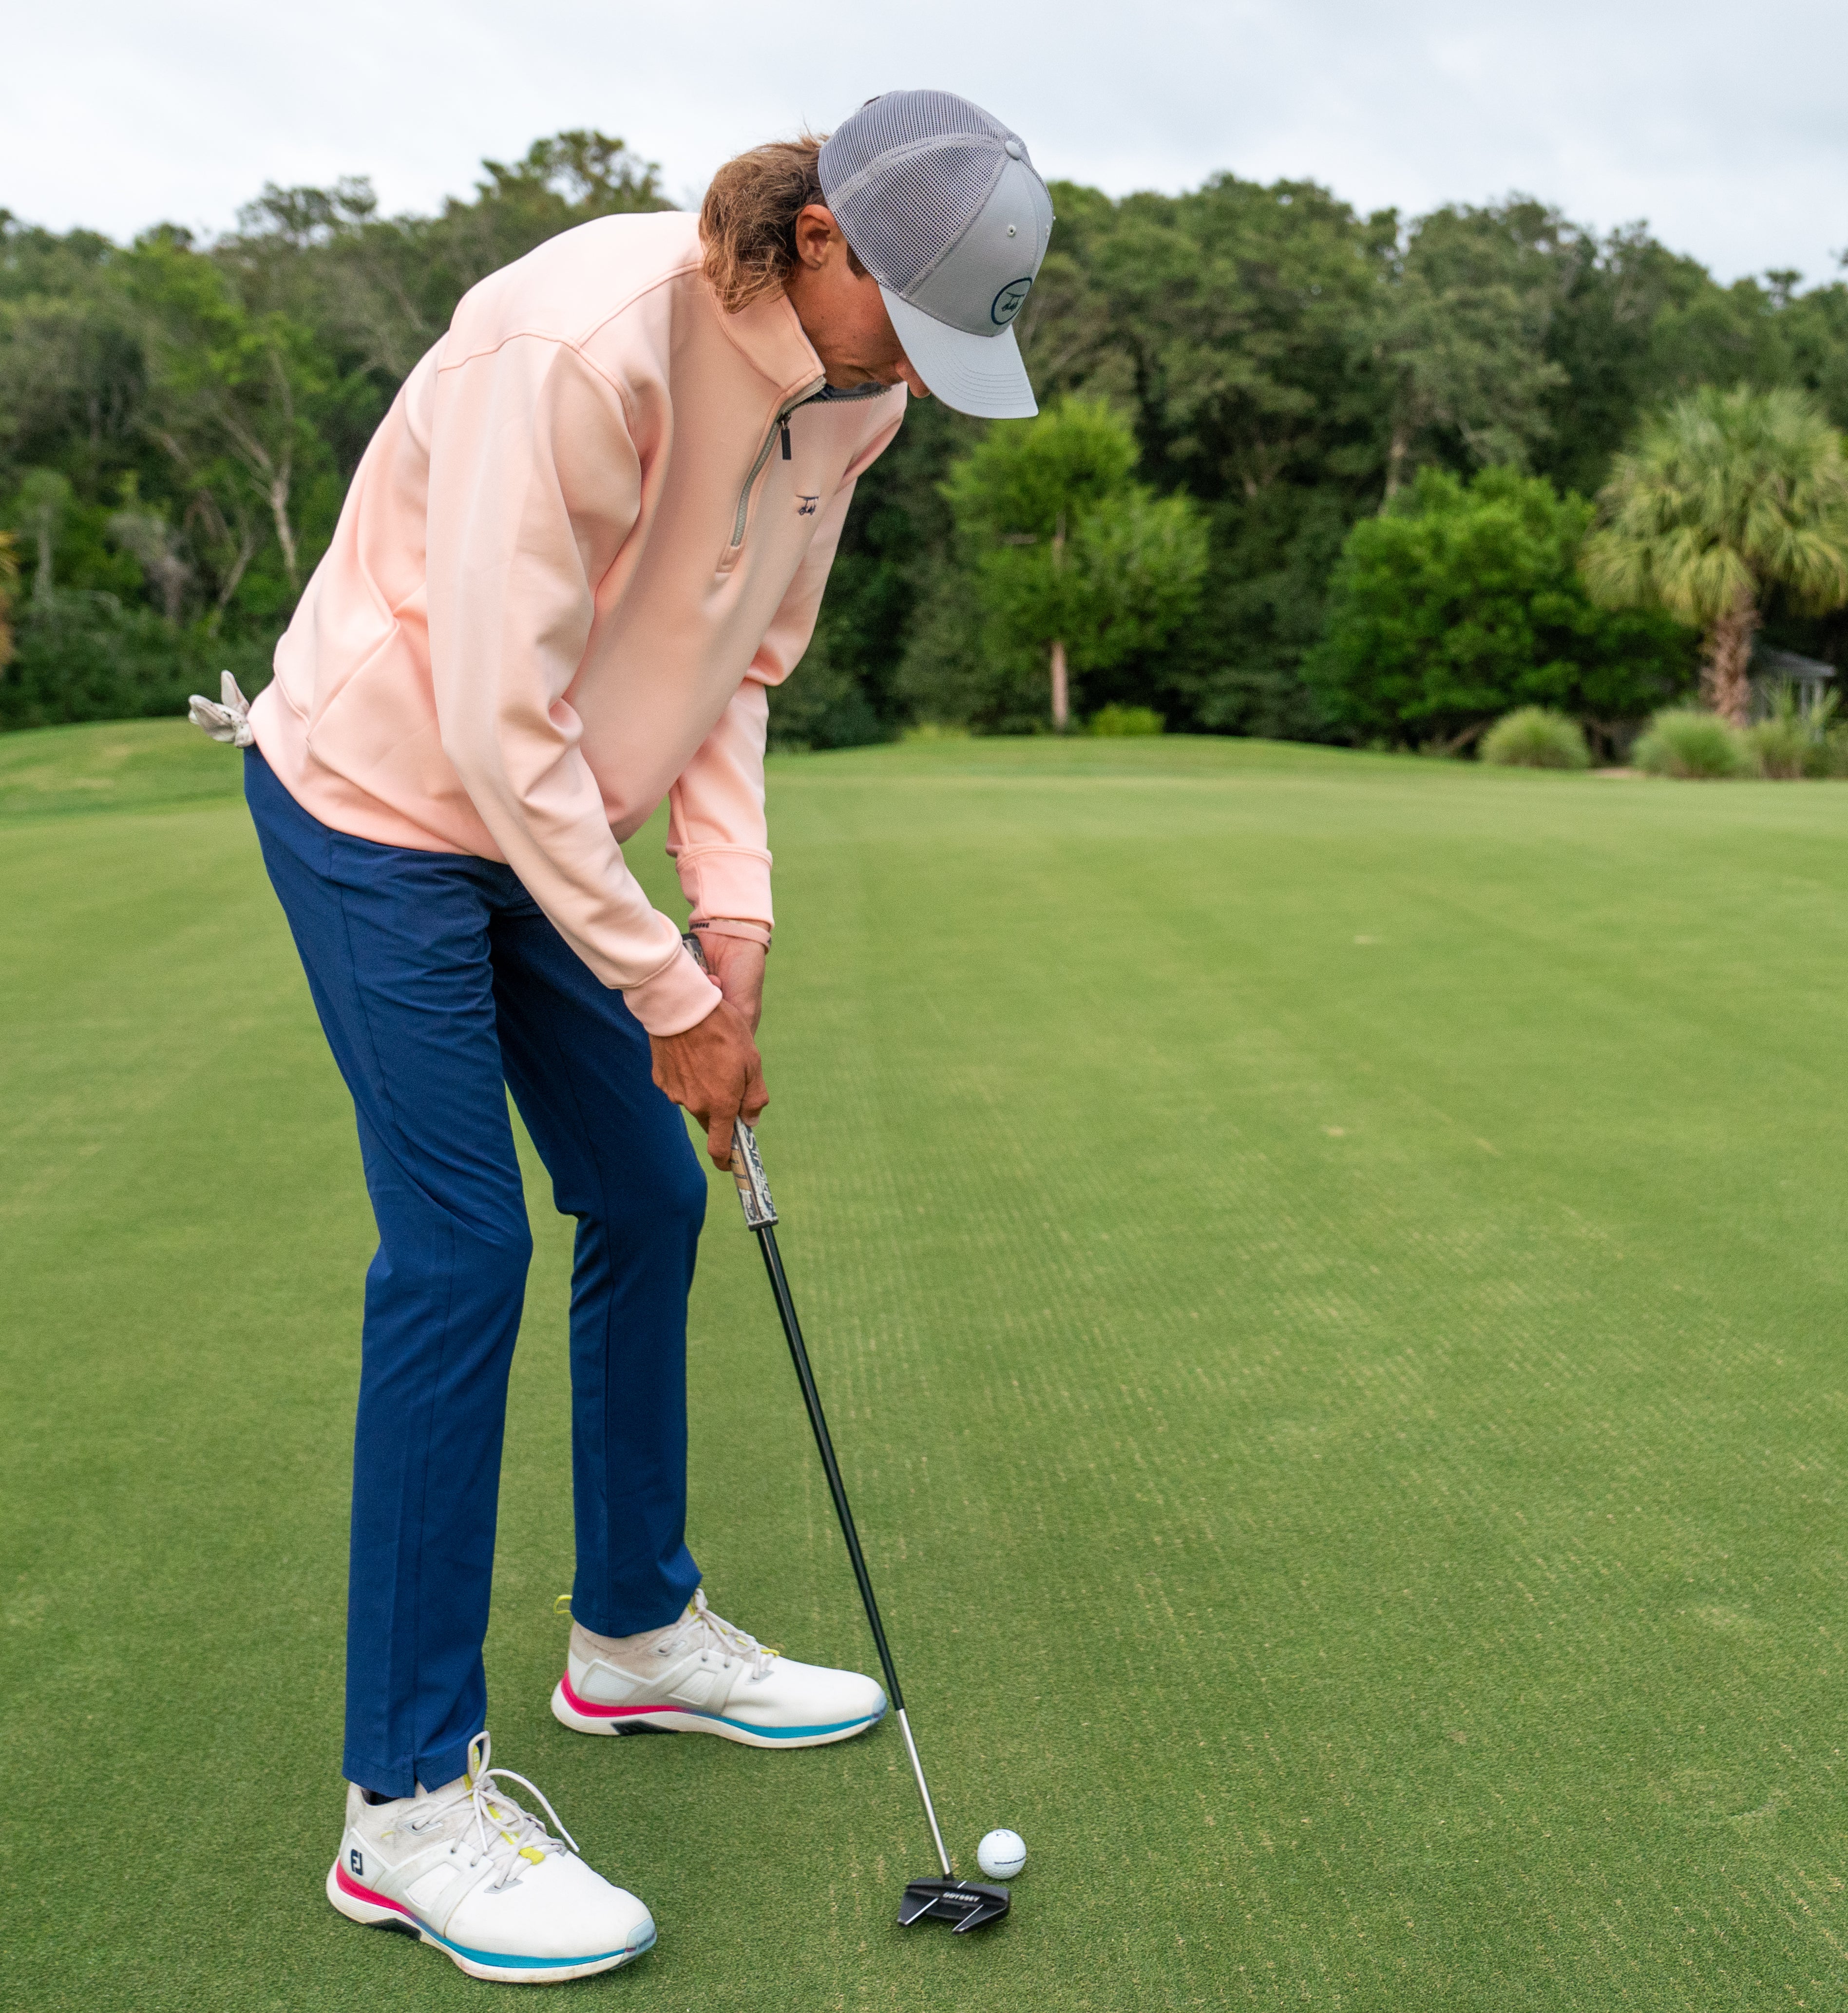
{"points": [[591, 531]]}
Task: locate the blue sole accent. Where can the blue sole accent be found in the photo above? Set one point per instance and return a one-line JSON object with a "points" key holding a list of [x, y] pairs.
{"points": [[536, 1963], [782, 1733]]}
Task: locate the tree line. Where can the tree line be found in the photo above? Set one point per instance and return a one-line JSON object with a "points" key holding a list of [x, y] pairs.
{"points": [[1242, 381]]}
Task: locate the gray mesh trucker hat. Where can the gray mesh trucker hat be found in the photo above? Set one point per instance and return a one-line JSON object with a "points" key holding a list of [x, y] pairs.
{"points": [[945, 209]]}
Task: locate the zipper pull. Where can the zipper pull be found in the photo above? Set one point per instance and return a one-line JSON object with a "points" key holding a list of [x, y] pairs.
{"points": [[784, 423]]}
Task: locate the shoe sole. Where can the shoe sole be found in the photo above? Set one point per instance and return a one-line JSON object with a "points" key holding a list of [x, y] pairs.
{"points": [[372, 1910], [584, 1716]]}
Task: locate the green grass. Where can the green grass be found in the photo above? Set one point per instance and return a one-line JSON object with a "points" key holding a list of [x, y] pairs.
{"points": [[128, 765], [1328, 1271]]}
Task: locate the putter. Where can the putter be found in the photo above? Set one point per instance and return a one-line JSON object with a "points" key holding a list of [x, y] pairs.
{"points": [[970, 1904]]}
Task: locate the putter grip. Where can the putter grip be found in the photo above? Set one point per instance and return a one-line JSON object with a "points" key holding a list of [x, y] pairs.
{"points": [[753, 1184], [747, 1162]]}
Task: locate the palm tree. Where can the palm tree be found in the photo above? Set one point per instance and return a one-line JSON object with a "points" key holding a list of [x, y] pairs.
{"points": [[1726, 493]]}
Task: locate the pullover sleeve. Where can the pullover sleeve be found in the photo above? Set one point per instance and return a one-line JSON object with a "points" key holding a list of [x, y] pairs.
{"points": [[534, 484], [717, 831]]}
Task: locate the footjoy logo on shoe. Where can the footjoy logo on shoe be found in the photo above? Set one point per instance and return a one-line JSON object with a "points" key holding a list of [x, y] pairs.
{"points": [[357, 1864]]}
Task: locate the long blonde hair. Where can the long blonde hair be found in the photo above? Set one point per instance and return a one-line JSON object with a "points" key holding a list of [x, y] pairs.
{"points": [[747, 222]]}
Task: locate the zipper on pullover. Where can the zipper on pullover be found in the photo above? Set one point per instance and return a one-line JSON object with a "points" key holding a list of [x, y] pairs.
{"points": [[779, 427], [779, 430]]}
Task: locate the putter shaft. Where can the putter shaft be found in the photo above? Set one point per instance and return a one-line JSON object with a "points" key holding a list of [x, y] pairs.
{"points": [[745, 1150], [760, 1214]]}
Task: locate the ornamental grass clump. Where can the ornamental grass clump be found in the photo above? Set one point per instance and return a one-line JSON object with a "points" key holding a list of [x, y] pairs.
{"points": [[1535, 737], [1788, 743], [1695, 746], [1783, 750]]}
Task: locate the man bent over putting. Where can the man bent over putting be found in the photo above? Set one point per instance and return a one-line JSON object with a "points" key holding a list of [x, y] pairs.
{"points": [[594, 528]]}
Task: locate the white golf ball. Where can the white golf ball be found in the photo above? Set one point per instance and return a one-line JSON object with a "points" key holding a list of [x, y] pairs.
{"points": [[1002, 1854]]}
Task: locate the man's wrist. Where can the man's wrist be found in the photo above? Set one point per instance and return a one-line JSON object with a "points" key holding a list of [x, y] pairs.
{"points": [[733, 926], [676, 998]]}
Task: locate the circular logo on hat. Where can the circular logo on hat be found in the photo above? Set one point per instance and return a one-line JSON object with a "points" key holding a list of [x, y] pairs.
{"points": [[1009, 302]]}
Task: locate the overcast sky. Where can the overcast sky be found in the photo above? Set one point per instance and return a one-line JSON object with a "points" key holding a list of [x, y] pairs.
{"points": [[1724, 126]]}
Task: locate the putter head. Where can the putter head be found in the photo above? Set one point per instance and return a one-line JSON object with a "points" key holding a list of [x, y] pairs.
{"points": [[968, 1904]]}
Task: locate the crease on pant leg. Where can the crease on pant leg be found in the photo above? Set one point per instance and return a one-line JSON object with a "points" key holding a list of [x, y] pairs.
{"points": [[411, 1693], [363, 1035], [567, 1079]]}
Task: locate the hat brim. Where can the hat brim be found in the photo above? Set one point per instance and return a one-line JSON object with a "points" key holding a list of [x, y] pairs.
{"points": [[982, 375]]}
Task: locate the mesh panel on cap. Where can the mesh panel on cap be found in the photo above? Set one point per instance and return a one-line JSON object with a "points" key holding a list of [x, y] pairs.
{"points": [[895, 120], [951, 155], [944, 188]]}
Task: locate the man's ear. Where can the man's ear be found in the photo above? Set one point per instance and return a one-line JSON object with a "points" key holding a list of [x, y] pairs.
{"points": [[815, 228]]}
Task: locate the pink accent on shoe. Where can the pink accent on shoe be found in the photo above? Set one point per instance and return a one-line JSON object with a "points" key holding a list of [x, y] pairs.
{"points": [[349, 1886], [598, 1712]]}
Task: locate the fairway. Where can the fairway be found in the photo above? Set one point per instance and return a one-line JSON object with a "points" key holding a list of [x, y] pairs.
{"points": [[1327, 1271]]}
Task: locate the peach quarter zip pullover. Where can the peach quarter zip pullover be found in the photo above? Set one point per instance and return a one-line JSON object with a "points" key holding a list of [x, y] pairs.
{"points": [[593, 528]]}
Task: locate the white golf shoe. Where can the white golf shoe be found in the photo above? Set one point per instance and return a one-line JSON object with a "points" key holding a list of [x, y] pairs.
{"points": [[466, 1868], [702, 1676]]}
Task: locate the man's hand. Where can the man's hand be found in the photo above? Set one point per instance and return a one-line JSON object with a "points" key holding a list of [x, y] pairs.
{"points": [[713, 1070], [736, 965]]}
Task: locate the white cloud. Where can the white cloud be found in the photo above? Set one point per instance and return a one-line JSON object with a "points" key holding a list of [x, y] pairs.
{"points": [[1723, 130]]}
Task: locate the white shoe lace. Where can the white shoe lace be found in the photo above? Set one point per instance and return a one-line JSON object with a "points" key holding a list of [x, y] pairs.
{"points": [[700, 1625], [504, 1835]]}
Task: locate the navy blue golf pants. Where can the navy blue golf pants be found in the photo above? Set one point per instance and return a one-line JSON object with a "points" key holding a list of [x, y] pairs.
{"points": [[438, 981]]}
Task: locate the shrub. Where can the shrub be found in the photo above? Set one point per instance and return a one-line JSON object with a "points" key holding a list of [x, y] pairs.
{"points": [[1122, 719], [822, 705], [1463, 602], [1058, 548], [1681, 742], [957, 671], [1783, 749], [1789, 743], [1534, 737], [80, 655]]}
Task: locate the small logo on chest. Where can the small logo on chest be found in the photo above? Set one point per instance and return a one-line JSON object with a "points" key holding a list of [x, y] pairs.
{"points": [[806, 506]]}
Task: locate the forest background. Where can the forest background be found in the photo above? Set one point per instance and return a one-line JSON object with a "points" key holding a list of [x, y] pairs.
{"points": [[179, 419]]}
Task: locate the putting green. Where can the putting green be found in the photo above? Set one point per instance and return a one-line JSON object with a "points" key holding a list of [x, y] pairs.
{"points": [[1328, 1274]]}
